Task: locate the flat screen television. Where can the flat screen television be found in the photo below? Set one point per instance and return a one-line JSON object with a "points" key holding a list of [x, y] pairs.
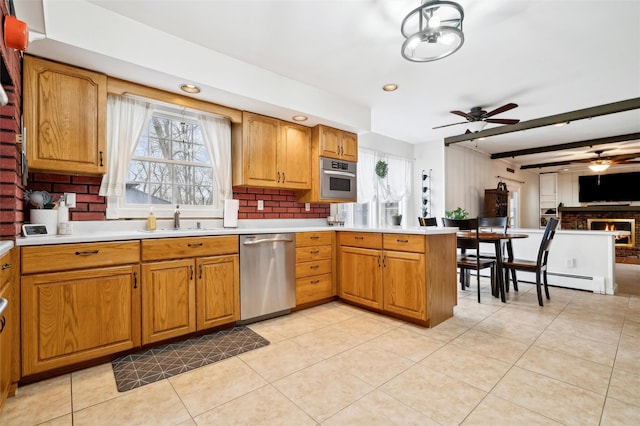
{"points": [[612, 187]]}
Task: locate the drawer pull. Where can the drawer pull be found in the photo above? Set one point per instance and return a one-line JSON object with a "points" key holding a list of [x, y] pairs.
{"points": [[359, 238], [192, 245], [314, 266], [87, 253], [200, 276], [6, 266], [314, 237], [402, 241], [314, 281], [135, 280], [314, 251], [3, 321], [191, 272]]}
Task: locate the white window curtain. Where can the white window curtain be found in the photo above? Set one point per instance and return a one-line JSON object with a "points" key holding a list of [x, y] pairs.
{"points": [[367, 179], [125, 121], [397, 185], [217, 139]]}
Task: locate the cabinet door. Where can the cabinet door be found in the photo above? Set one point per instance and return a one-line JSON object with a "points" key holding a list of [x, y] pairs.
{"points": [[6, 344], [64, 114], [295, 156], [349, 146], [70, 317], [218, 291], [404, 283], [168, 299], [330, 140], [361, 276], [261, 150]]}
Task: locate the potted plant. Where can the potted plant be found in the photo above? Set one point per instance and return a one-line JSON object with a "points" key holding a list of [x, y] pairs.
{"points": [[458, 213], [396, 219]]}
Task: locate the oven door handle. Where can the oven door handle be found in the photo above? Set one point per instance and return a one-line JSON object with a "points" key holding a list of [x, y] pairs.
{"points": [[333, 172]]}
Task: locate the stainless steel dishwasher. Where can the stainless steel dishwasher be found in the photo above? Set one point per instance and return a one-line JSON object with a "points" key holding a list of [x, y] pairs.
{"points": [[267, 275]]}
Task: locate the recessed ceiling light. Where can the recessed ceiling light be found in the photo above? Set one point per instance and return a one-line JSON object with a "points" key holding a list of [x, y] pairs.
{"points": [[391, 87], [300, 118], [190, 88]]}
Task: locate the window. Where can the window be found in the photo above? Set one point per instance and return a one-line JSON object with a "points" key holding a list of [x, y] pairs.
{"points": [[379, 198], [170, 164], [162, 155]]}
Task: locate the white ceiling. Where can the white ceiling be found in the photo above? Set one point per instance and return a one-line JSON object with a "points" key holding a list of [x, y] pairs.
{"points": [[330, 58]]}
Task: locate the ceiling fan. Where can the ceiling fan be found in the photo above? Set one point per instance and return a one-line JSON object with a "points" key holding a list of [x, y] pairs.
{"points": [[602, 163], [481, 117]]}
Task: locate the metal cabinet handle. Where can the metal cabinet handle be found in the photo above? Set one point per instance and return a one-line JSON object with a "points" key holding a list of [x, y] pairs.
{"points": [[191, 272], [101, 164], [3, 322], [135, 280], [314, 251], [359, 238], [314, 266], [282, 177], [378, 261], [6, 266], [314, 237], [192, 245], [87, 253], [384, 261], [278, 177], [200, 275], [314, 282], [402, 241]]}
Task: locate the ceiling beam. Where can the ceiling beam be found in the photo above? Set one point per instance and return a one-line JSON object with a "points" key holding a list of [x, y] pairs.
{"points": [[614, 158], [563, 146], [550, 120]]}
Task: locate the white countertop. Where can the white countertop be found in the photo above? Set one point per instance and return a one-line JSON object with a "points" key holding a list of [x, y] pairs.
{"points": [[5, 246], [96, 231]]}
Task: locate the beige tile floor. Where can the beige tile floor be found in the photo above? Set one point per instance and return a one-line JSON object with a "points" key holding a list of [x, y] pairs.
{"points": [[574, 361]]}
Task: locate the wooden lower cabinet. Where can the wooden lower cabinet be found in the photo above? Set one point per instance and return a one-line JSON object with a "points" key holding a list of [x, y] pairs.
{"points": [[189, 293], [168, 299], [412, 276], [361, 276], [70, 317], [404, 283], [6, 344], [217, 291], [314, 267]]}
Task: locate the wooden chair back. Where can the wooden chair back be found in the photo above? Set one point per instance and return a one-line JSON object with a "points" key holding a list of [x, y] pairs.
{"points": [[464, 225], [498, 224], [427, 221]]}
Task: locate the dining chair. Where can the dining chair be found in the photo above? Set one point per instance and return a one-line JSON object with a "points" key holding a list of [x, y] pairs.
{"points": [[499, 224], [427, 221], [467, 261], [538, 266]]}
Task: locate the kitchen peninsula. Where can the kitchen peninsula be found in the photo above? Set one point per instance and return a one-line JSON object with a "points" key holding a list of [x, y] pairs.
{"points": [[408, 273]]}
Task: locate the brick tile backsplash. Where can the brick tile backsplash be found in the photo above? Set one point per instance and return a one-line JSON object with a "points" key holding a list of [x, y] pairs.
{"points": [[278, 204]]}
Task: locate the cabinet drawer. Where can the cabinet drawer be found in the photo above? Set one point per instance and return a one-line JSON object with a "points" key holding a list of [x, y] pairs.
{"points": [[360, 239], [306, 239], [313, 288], [404, 242], [306, 269], [176, 248], [305, 254], [65, 257]]}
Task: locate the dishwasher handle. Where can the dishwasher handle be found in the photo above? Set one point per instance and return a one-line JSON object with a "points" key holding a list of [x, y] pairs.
{"points": [[267, 240]]}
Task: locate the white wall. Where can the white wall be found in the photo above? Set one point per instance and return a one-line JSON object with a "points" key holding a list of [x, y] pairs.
{"points": [[468, 173]]}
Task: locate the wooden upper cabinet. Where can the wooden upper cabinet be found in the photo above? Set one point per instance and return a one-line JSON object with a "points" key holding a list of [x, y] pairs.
{"points": [[271, 153], [64, 117], [295, 155], [334, 143]]}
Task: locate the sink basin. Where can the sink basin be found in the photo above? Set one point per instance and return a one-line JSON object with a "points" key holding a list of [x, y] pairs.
{"points": [[177, 229]]}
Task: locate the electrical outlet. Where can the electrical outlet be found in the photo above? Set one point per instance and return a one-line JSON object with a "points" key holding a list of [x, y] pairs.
{"points": [[569, 262], [307, 207], [70, 199], [260, 204]]}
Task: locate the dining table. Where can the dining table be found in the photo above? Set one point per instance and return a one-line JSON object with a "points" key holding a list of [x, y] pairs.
{"points": [[495, 238]]}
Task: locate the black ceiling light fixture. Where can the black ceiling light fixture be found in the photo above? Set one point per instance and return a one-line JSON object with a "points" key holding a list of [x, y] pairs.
{"points": [[433, 31]]}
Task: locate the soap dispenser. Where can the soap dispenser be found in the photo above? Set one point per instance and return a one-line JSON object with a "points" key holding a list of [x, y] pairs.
{"points": [[151, 220]]}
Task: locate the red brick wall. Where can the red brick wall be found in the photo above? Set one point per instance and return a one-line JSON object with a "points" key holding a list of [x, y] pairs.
{"points": [[89, 205], [578, 220], [11, 204], [278, 204]]}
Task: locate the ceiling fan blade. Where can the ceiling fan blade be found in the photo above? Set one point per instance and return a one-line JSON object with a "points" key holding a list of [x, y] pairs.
{"points": [[503, 108], [502, 120], [452, 124], [463, 114], [622, 157]]}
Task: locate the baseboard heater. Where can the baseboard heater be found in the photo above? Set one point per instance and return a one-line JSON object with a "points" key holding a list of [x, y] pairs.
{"points": [[573, 281]]}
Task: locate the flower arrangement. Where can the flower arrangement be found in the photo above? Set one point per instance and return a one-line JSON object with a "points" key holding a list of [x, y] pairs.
{"points": [[382, 168]]}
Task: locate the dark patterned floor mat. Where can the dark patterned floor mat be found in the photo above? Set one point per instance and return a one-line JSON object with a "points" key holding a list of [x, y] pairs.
{"points": [[139, 369]]}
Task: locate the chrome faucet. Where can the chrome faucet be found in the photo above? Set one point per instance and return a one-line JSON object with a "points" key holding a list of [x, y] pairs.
{"points": [[176, 218]]}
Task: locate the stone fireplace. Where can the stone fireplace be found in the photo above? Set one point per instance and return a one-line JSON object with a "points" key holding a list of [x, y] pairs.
{"points": [[599, 217]]}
